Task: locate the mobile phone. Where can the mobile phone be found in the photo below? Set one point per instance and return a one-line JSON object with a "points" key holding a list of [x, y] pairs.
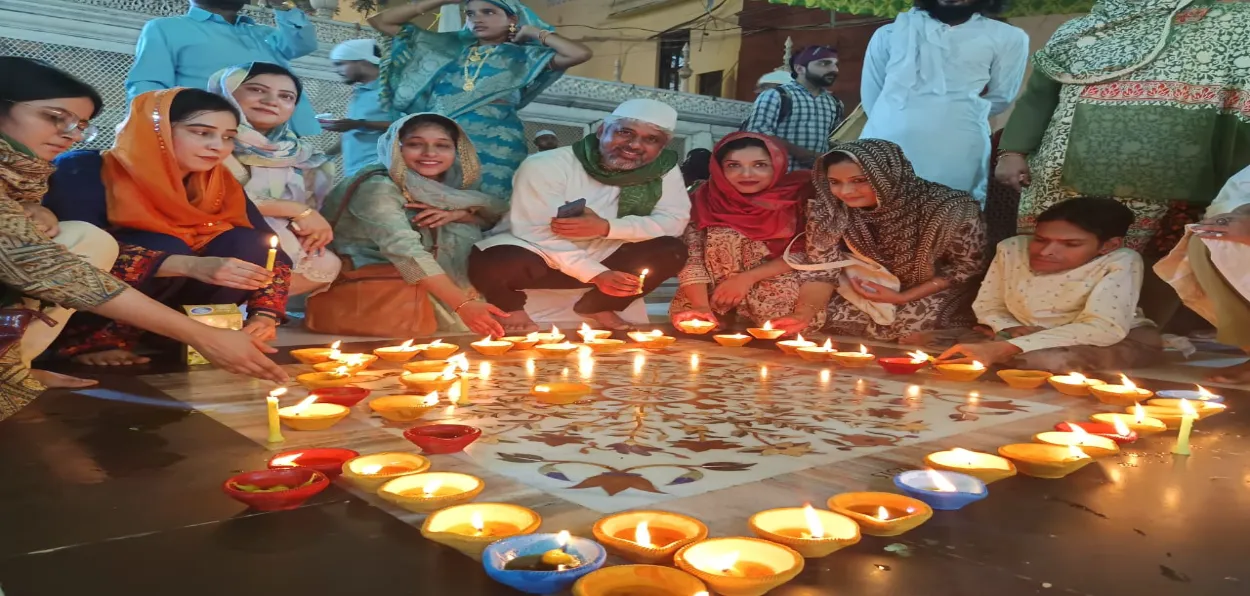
{"points": [[571, 209]]}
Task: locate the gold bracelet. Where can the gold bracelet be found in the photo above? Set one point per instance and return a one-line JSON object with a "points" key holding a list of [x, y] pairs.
{"points": [[542, 36], [303, 214]]}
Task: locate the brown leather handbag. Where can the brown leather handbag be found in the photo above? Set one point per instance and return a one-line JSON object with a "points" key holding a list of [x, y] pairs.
{"points": [[373, 300]]}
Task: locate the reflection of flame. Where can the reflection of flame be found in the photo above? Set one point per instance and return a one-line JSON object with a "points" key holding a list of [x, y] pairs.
{"points": [[824, 376], [883, 513], [1139, 413], [1075, 452], [529, 366], [940, 482], [1127, 383], [814, 527], [542, 389], [828, 345], [918, 357], [286, 460], [1120, 428], [1188, 409], [431, 487], [639, 361], [475, 520], [764, 372], [641, 535], [483, 369], [694, 362], [454, 393], [768, 325]]}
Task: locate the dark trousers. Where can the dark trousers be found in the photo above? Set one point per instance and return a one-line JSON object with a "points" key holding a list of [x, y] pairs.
{"points": [[500, 273], [245, 244]]}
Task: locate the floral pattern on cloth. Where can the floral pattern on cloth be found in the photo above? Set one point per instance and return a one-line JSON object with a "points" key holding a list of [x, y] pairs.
{"points": [[891, 8], [718, 253]]}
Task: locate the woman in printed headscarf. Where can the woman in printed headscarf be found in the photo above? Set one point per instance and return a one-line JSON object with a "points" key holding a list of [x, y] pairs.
{"points": [[888, 254], [480, 76], [419, 210], [741, 221], [187, 232], [285, 176]]}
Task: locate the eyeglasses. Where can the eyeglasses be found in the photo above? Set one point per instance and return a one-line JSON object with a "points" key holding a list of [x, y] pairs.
{"points": [[66, 122]]}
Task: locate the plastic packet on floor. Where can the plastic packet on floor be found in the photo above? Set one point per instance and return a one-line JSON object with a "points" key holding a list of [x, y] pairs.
{"points": [[1180, 344]]}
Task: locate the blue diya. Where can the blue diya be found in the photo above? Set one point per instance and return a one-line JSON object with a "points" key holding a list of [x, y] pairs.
{"points": [[496, 557], [935, 488], [1206, 396]]}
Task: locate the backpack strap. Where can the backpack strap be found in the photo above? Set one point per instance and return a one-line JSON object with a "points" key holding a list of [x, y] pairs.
{"points": [[787, 105]]}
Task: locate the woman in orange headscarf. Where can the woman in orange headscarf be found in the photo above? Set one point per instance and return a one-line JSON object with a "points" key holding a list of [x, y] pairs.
{"points": [[187, 232]]}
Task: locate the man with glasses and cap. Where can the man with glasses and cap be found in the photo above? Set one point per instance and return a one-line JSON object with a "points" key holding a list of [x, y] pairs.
{"points": [[813, 113], [594, 215], [357, 63]]}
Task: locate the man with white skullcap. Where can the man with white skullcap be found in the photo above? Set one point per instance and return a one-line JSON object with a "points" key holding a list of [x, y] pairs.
{"points": [[546, 140], [357, 63], [592, 215], [772, 80]]}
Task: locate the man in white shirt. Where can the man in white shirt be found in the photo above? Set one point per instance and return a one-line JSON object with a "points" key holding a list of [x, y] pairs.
{"points": [[1065, 298], [635, 209]]}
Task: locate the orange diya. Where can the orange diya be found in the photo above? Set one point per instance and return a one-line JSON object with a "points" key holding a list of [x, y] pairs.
{"points": [[652, 340], [696, 326], [401, 353], [1125, 394], [309, 415], [816, 354], [1092, 445], [316, 355], [814, 533], [648, 536], [1074, 384], [961, 372], [526, 342], [470, 527], [881, 514], [491, 346], [791, 346], [339, 377], [766, 332], [982, 466], [858, 359], [732, 340], [404, 408], [370, 472], [437, 350], [1135, 420], [587, 334], [353, 363]]}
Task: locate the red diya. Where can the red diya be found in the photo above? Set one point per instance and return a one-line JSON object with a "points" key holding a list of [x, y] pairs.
{"points": [[1100, 429], [304, 483], [328, 460], [904, 366], [343, 396], [442, 438]]}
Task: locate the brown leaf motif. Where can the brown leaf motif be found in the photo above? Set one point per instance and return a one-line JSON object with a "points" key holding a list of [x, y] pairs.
{"points": [[1005, 405], [702, 446], [614, 483], [554, 439], [886, 413], [785, 448]]}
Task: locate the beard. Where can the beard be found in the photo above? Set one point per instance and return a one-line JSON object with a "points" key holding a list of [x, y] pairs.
{"points": [[822, 81], [953, 14], [224, 4]]}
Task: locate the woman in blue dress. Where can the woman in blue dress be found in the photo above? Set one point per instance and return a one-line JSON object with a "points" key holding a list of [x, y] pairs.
{"points": [[480, 76]]}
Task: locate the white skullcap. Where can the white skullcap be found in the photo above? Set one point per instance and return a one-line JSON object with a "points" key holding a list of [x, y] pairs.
{"points": [[356, 49], [544, 132], [776, 77], [649, 111]]}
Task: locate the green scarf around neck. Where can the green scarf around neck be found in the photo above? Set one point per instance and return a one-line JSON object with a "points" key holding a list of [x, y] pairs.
{"points": [[641, 189]]}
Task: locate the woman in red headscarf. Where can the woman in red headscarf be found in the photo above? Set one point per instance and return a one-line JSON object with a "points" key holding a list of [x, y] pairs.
{"points": [[741, 222]]}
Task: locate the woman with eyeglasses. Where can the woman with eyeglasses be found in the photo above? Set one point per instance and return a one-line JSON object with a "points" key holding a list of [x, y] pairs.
{"points": [[50, 268]]}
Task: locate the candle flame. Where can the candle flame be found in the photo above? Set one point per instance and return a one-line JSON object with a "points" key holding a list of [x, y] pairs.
{"points": [[286, 460], [799, 338], [1120, 428], [941, 483], [371, 469], [1139, 413], [1076, 429], [430, 400], [1127, 383], [489, 338], [335, 345], [725, 562], [460, 361], [1203, 391], [279, 392], [335, 354], [454, 394], [449, 371], [976, 365], [964, 454], [641, 535], [863, 349], [883, 513], [475, 520], [1188, 409], [586, 332], [354, 360], [342, 372], [431, 487], [1076, 453], [407, 345], [918, 357], [555, 330], [1077, 377], [273, 242], [562, 538], [814, 527], [656, 333], [768, 325], [828, 345], [299, 408], [532, 336]]}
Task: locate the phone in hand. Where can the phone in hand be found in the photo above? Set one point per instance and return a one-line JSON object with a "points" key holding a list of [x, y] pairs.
{"points": [[572, 209]]}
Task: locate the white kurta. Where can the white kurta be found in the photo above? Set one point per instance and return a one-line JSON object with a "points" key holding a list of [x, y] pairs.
{"points": [[547, 180], [932, 88]]}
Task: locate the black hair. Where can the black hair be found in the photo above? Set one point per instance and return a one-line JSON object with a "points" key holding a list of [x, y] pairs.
{"points": [[269, 68], [987, 7], [190, 103], [26, 79], [795, 56], [737, 144], [697, 166], [1102, 217], [447, 124], [837, 157]]}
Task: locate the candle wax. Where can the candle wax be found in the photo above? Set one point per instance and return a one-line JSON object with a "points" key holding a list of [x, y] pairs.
{"points": [[489, 528], [442, 491], [871, 511], [660, 537]]}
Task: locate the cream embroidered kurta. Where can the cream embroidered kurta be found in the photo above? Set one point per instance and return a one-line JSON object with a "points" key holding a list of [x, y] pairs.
{"points": [[1092, 305]]}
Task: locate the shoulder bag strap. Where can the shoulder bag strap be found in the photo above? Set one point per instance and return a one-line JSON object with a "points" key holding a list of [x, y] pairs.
{"points": [[351, 192], [813, 266]]}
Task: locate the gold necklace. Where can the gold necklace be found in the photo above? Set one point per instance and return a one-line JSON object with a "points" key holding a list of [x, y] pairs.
{"points": [[476, 56]]}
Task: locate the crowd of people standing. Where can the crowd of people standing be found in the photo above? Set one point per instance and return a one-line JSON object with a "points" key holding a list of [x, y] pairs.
{"points": [[1132, 126]]}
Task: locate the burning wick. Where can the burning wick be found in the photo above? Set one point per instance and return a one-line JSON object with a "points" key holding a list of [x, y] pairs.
{"points": [[431, 488], [475, 520], [642, 279], [642, 536], [918, 357], [883, 513], [940, 483], [815, 529], [335, 354], [287, 461]]}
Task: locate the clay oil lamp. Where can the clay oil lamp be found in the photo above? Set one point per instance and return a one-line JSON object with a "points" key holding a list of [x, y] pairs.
{"points": [[791, 346], [370, 472], [556, 350], [740, 566], [469, 528], [328, 460], [421, 366], [648, 536], [1199, 395], [439, 439], [310, 415], [542, 563], [1093, 445], [429, 382], [1024, 379], [817, 354], [1074, 384], [1041, 460], [1136, 421], [962, 373], [401, 353], [982, 466], [315, 355], [858, 359], [766, 332], [881, 514], [814, 533], [639, 580], [598, 339], [275, 490], [354, 363], [560, 394], [428, 492], [1204, 409], [343, 396], [652, 340], [1116, 431], [1123, 395], [588, 334], [696, 326], [522, 342], [905, 366], [437, 350], [941, 490], [339, 377], [552, 337], [404, 408], [732, 340], [491, 346]]}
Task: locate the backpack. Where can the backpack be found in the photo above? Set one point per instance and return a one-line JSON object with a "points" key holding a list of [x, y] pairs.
{"points": [[782, 114]]}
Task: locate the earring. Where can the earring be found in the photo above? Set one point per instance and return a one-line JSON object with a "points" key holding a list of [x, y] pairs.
{"points": [[512, 28]]}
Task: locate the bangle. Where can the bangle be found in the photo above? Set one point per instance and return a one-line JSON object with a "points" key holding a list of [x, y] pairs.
{"points": [[462, 304], [303, 214], [1003, 153], [267, 315], [542, 36]]}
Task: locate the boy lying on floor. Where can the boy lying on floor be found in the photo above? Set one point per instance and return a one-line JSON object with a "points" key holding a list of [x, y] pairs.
{"points": [[1064, 298]]}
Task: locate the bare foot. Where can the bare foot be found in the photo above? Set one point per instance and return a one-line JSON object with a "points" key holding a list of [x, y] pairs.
{"points": [[53, 380], [518, 322], [1239, 373], [609, 320], [111, 358]]}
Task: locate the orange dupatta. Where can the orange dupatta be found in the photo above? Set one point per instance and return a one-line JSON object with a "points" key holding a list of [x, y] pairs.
{"points": [[144, 185]]}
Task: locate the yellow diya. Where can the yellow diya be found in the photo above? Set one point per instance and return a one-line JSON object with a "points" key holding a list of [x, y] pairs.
{"points": [[1204, 409], [428, 492], [1093, 445], [353, 363], [648, 536], [739, 566], [1124, 394], [732, 340], [814, 533], [309, 415], [588, 334], [425, 366], [652, 340], [696, 326], [552, 337], [881, 514], [370, 472], [316, 355], [404, 408], [1074, 384], [639, 580], [983, 466], [858, 359], [401, 353], [961, 372], [339, 377], [600, 346], [556, 350], [522, 342], [791, 346], [1136, 421], [491, 346], [560, 393], [1024, 379], [816, 354], [438, 350], [470, 527], [1045, 461]]}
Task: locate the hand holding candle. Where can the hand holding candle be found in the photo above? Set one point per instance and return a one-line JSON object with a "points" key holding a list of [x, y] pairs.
{"points": [[273, 253], [642, 279]]}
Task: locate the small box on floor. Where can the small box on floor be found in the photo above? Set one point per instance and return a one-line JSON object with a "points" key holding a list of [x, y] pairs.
{"points": [[221, 316]]}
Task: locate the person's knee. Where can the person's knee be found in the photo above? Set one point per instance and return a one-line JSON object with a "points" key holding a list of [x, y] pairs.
{"points": [[488, 267], [1056, 360], [89, 242], [670, 252]]}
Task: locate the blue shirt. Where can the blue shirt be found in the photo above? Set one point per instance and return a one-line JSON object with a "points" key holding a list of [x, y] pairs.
{"points": [[360, 147], [812, 119], [185, 51]]}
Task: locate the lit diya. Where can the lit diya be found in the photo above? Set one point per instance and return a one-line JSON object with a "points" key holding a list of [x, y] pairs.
{"points": [[639, 580], [1074, 384], [1124, 394], [404, 408], [696, 326], [858, 359], [542, 563], [588, 334], [370, 472], [766, 332], [339, 377], [982, 466], [491, 346], [428, 492], [309, 415], [881, 514], [425, 366], [556, 350], [1203, 409], [1041, 460], [942, 490], [1116, 431], [791, 346], [315, 355], [436, 350], [552, 337], [652, 340], [401, 353], [599, 346], [1136, 421], [905, 366], [442, 438], [1024, 379], [648, 536], [1093, 445], [961, 372], [815, 353], [429, 382], [732, 340], [740, 566], [327, 460], [353, 363], [1199, 395], [470, 527], [526, 342], [814, 533], [560, 393]]}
